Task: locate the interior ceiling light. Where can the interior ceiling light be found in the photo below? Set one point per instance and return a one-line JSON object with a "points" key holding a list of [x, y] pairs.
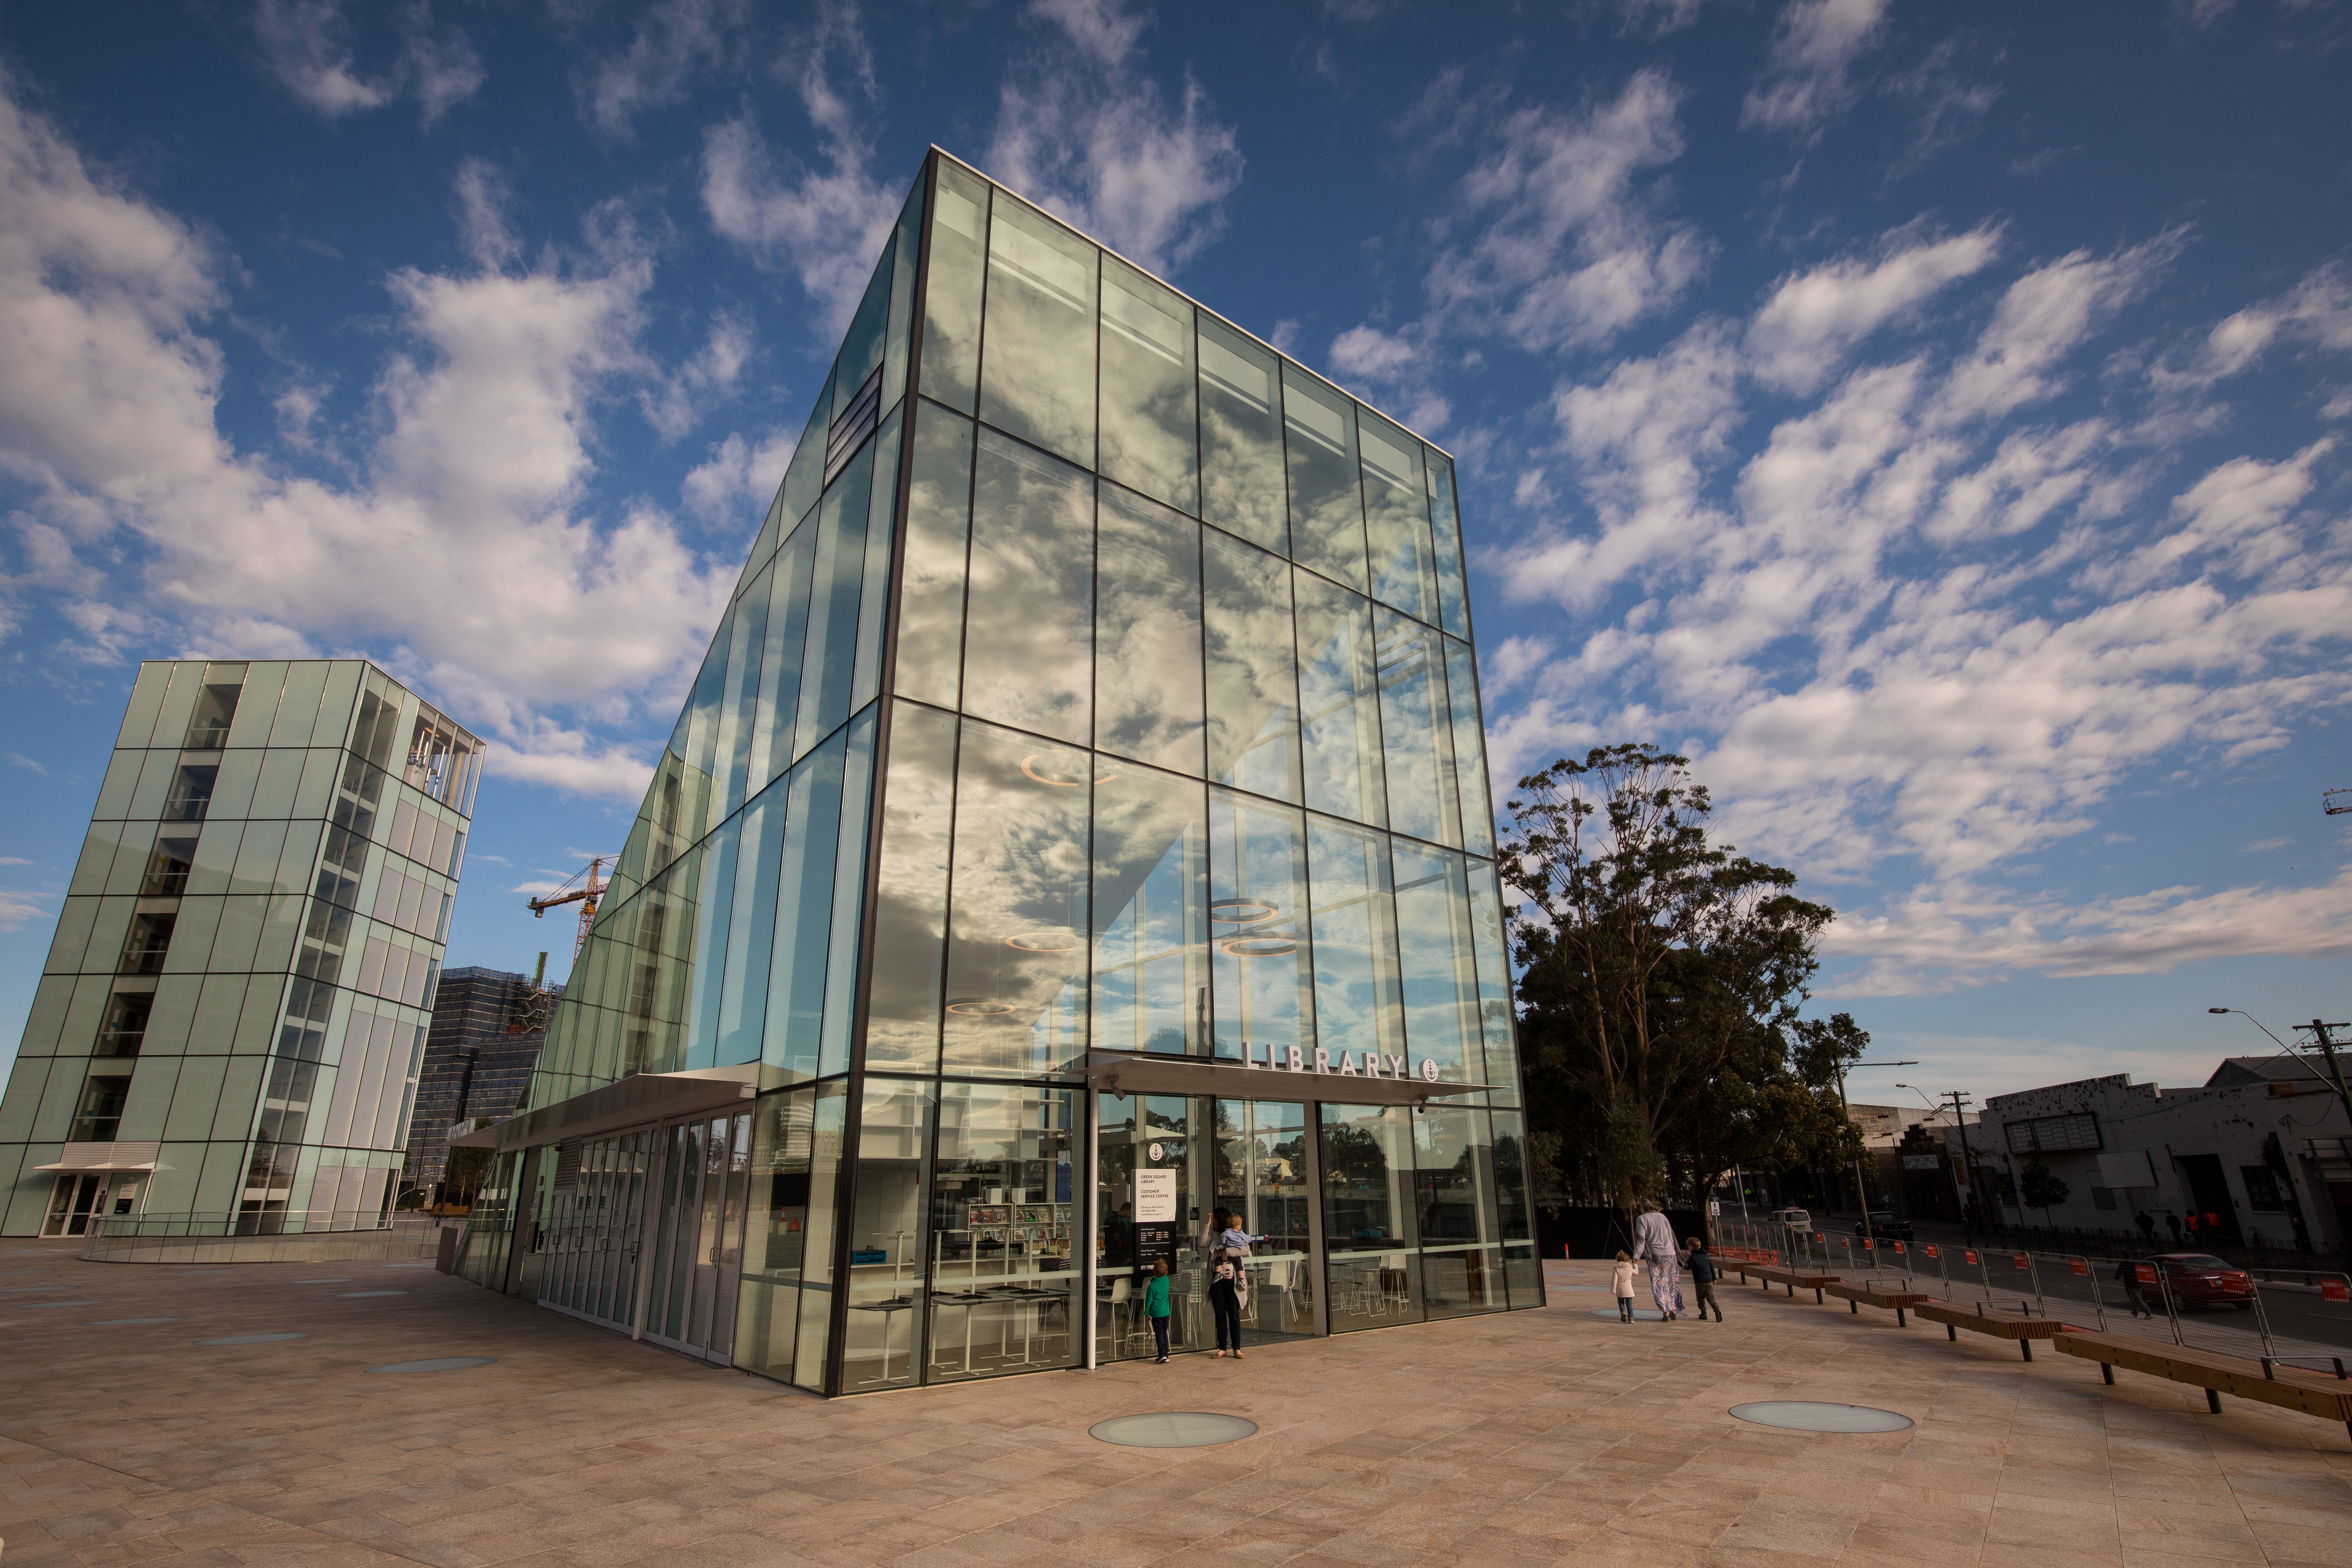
{"points": [[1243, 911], [1259, 946], [1044, 942], [1029, 766], [981, 1008]]}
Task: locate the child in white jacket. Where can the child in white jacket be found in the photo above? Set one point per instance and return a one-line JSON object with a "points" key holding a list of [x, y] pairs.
{"points": [[1621, 1284]]}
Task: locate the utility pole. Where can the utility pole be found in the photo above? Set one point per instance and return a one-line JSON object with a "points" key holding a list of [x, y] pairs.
{"points": [[1862, 1188], [2326, 1042], [1968, 1156]]}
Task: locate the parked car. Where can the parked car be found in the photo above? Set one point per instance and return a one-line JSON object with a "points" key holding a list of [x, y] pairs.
{"points": [[1795, 1219], [2201, 1279], [1885, 1226]]}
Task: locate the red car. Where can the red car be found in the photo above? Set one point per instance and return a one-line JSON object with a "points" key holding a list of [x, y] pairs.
{"points": [[2201, 1279]]}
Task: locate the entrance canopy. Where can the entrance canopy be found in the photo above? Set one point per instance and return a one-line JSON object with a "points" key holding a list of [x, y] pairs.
{"points": [[93, 1158], [1141, 1072], [632, 1102]]}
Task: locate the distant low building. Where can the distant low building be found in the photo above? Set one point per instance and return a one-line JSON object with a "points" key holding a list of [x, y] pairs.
{"points": [[2260, 1147], [487, 1028]]}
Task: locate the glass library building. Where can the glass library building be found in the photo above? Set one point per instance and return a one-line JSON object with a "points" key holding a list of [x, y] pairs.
{"points": [[1080, 824], [227, 1035]]}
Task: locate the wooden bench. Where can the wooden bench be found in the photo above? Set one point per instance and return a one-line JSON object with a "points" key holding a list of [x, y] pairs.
{"points": [[1999, 1325], [1794, 1278], [1861, 1296], [2289, 1388]]}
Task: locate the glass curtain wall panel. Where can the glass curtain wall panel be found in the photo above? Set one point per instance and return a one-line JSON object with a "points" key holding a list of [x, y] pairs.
{"points": [[938, 537], [903, 1010], [1440, 961], [1260, 972], [1396, 517], [1359, 984], [1166, 1133], [1151, 915], [1370, 1235], [1416, 730], [1460, 1224], [1029, 616], [1149, 433], [887, 1247], [1242, 488], [1261, 1175], [1327, 503], [1003, 1280], [1522, 1269], [1016, 970], [1037, 369], [959, 259], [1339, 702], [1252, 667], [1148, 675]]}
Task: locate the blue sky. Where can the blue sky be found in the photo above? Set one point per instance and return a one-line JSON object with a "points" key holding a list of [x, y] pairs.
{"points": [[1936, 423]]}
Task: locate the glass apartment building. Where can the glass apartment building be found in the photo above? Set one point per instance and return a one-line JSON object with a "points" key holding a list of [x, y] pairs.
{"points": [[1080, 822], [227, 1035]]}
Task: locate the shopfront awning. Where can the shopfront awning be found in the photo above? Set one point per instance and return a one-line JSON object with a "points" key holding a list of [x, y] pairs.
{"points": [[632, 1103], [1141, 1072], [94, 1158]]}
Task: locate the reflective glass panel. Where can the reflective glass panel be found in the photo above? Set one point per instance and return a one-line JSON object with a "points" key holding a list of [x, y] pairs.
{"points": [[714, 902], [1417, 734], [1242, 486], [816, 1262], [902, 1025], [750, 931], [1445, 526], [1151, 904], [1260, 1176], [1037, 380], [1469, 749], [738, 718], [775, 1237], [1127, 1248], [1029, 657], [1148, 700], [1460, 1231], [784, 641], [1491, 940], [1440, 961], [1260, 999], [1327, 503], [1396, 517], [1358, 993], [873, 592], [1017, 904], [1521, 1267], [793, 1031], [1148, 436], [1003, 1280], [939, 530], [1372, 1260], [835, 589], [887, 1248], [1252, 677], [848, 893], [1338, 700], [952, 292]]}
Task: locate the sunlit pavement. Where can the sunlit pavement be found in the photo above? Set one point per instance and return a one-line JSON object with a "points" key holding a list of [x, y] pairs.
{"points": [[1545, 1436]]}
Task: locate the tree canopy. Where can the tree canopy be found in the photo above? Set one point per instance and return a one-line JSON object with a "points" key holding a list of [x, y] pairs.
{"points": [[1661, 975]]}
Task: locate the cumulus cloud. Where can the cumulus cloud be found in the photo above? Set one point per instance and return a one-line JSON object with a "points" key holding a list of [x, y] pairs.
{"points": [[1920, 623], [145, 524], [1806, 79], [1088, 134], [823, 224], [674, 44], [306, 46], [18, 911], [2317, 312]]}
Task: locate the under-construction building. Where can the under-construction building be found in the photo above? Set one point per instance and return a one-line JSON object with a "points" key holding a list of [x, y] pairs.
{"points": [[488, 1027]]}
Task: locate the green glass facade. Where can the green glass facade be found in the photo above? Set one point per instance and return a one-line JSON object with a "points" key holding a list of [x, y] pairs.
{"points": [[1086, 780], [227, 1032]]}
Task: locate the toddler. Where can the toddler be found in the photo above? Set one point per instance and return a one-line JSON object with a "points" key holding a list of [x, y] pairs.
{"points": [[1155, 1308], [1621, 1283]]}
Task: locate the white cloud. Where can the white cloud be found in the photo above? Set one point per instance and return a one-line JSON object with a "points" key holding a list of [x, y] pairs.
{"points": [[1089, 136], [305, 44], [2042, 317], [1565, 251], [19, 760], [1814, 318], [2257, 846], [739, 475], [14, 860], [674, 43], [2316, 311], [18, 911], [825, 225], [1806, 77], [483, 450]]}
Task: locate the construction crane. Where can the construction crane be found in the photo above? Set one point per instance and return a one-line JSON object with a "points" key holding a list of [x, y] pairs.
{"points": [[2335, 801], [583, 889]]}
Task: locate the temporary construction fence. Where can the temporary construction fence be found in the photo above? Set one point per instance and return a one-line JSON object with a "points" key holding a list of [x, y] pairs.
{"points": [[2291, 1317]]}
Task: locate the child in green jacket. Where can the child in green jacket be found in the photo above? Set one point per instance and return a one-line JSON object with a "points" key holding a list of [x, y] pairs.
{"points": [[1155, 1308]]}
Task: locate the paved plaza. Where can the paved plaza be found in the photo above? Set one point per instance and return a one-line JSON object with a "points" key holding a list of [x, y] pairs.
{"points": [[1534, 1438]]}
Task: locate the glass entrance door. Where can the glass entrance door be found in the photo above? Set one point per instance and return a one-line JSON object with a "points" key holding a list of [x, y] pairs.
{"points": [[598, 1230], [697, 1250], [1261, 1175], [72, 1201]]}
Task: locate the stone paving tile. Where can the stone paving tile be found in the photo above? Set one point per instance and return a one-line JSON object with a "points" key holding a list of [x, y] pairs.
{"points": [[1545, 1438]]}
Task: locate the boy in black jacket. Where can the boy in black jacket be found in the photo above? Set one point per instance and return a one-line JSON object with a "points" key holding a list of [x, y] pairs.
{"points": [[1702, 1272]]}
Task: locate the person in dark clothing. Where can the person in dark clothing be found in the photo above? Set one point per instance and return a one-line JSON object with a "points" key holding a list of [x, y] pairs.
{"points": [[2172, 1221], [1225, 1306], [1701, 1264], [2147, 1223], [2128, 1273]]}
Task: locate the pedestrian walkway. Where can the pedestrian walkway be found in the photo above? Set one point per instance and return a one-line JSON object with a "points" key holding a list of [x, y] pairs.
{"points": [[1548, 1436]]}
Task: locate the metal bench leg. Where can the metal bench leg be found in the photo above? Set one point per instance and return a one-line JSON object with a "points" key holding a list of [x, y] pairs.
{"points": [[2107, 1373], [1855, 1307], [2027, 1346], [1898, 1318], [1817, 1298], [1952, 1332], [2213, 1401]]}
